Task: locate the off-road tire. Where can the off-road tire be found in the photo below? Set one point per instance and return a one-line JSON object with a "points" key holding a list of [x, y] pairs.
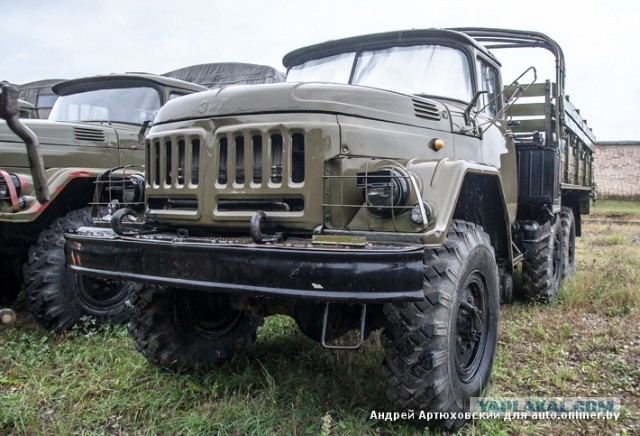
{"points": [[436, 358], [507, 295], [542, 267], [57, 297], [182, 330], [568, 224]]}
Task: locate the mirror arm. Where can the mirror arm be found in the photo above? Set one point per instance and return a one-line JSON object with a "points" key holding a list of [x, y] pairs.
{"points": [[472, 103]]}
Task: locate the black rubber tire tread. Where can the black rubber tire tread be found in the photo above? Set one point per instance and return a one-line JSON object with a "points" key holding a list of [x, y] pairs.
{"points": [[419, 341], [51, 291], [507, 293], [162, 335], [540, 280], [568, 225]]}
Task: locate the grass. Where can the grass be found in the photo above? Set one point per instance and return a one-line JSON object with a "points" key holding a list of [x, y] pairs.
{"points": [[587, 343], [616, 209]]}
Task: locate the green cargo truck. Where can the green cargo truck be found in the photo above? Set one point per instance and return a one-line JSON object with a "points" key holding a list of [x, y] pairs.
{"points": [[11, 110], [392, 183], [96, 123]]}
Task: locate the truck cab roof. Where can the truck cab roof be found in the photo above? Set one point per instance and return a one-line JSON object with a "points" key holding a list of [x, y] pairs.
{"points": [[119, 80], [378, 41]]}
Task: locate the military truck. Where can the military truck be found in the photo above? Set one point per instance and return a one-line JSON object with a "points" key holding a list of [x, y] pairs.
{"points": [[25, 108], [392, 182], [40, 94], [96, 123], [11, 110]]}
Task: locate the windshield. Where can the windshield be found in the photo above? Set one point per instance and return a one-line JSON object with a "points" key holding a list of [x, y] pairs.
{"points": [[117, 105], [425, 69]]}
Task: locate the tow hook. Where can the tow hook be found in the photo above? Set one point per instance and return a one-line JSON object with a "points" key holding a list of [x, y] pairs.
{"points": [[118, 216], [256, 233]]}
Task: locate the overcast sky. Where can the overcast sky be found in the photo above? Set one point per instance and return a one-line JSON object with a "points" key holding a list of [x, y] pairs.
{"points": [[44, 39]]}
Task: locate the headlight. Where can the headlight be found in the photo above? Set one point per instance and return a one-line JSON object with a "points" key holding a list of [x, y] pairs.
{"points": [[4, 188], [134, 189], [129, 190], [385, 190]]}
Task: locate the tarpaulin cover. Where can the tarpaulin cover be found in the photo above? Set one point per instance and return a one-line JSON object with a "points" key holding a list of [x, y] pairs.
{"points": [[227, 73]]}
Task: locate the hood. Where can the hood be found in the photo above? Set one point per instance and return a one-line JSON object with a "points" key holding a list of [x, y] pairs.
{"points": [[71, 134], [68, 144], [331, 98]]}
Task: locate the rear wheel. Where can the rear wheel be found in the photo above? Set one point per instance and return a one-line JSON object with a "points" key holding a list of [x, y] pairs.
{"points": [[439, 351], [59, 298], [542, 267], [568, 225], [184, 330]]}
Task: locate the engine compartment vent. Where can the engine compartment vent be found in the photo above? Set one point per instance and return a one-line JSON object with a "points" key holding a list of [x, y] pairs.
{"points": [[426, 110], [88, 134]]}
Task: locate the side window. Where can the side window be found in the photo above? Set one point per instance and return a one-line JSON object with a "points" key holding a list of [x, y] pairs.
{"points": [[489, 83], [46, 101]]}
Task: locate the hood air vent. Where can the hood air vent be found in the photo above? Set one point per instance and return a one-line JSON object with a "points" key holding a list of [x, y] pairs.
{"points": [[426, 110], [86, 134]]}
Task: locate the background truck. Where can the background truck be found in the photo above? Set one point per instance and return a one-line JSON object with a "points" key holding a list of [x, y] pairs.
{"points": [[40, 94], [391, 183], [11, 110], [216, 75], [96, 123]]}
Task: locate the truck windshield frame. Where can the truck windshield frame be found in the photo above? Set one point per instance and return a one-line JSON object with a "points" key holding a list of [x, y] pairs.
{"points": [[429, 69], [128, 105]]}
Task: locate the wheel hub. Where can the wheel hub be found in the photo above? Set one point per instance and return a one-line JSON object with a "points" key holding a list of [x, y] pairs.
{"points": [[471, 324], [210, 316], [99, 293]]}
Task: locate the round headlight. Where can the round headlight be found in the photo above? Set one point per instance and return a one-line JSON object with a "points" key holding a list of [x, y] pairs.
{"points": [[133, 189], [385, 189]]}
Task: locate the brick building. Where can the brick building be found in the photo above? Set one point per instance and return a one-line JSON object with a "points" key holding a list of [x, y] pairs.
{"points": [[617, 169]]}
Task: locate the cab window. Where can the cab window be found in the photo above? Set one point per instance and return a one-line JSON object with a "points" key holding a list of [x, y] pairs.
{"points": [[489, 83]]}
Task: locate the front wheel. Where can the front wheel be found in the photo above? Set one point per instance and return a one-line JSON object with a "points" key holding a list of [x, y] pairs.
{"points": [[57, 297], [184, 330], [439, 351]]}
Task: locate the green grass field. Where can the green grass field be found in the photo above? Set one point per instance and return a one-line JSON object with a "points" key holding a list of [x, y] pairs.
{"points": [[586, 344]]}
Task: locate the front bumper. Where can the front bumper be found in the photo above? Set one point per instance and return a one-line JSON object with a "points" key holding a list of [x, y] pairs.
{"points": [[297, 268]]}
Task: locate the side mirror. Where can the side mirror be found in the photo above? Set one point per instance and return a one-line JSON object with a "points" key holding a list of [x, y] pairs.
{"points": [[514, 90], [143, 131]]}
